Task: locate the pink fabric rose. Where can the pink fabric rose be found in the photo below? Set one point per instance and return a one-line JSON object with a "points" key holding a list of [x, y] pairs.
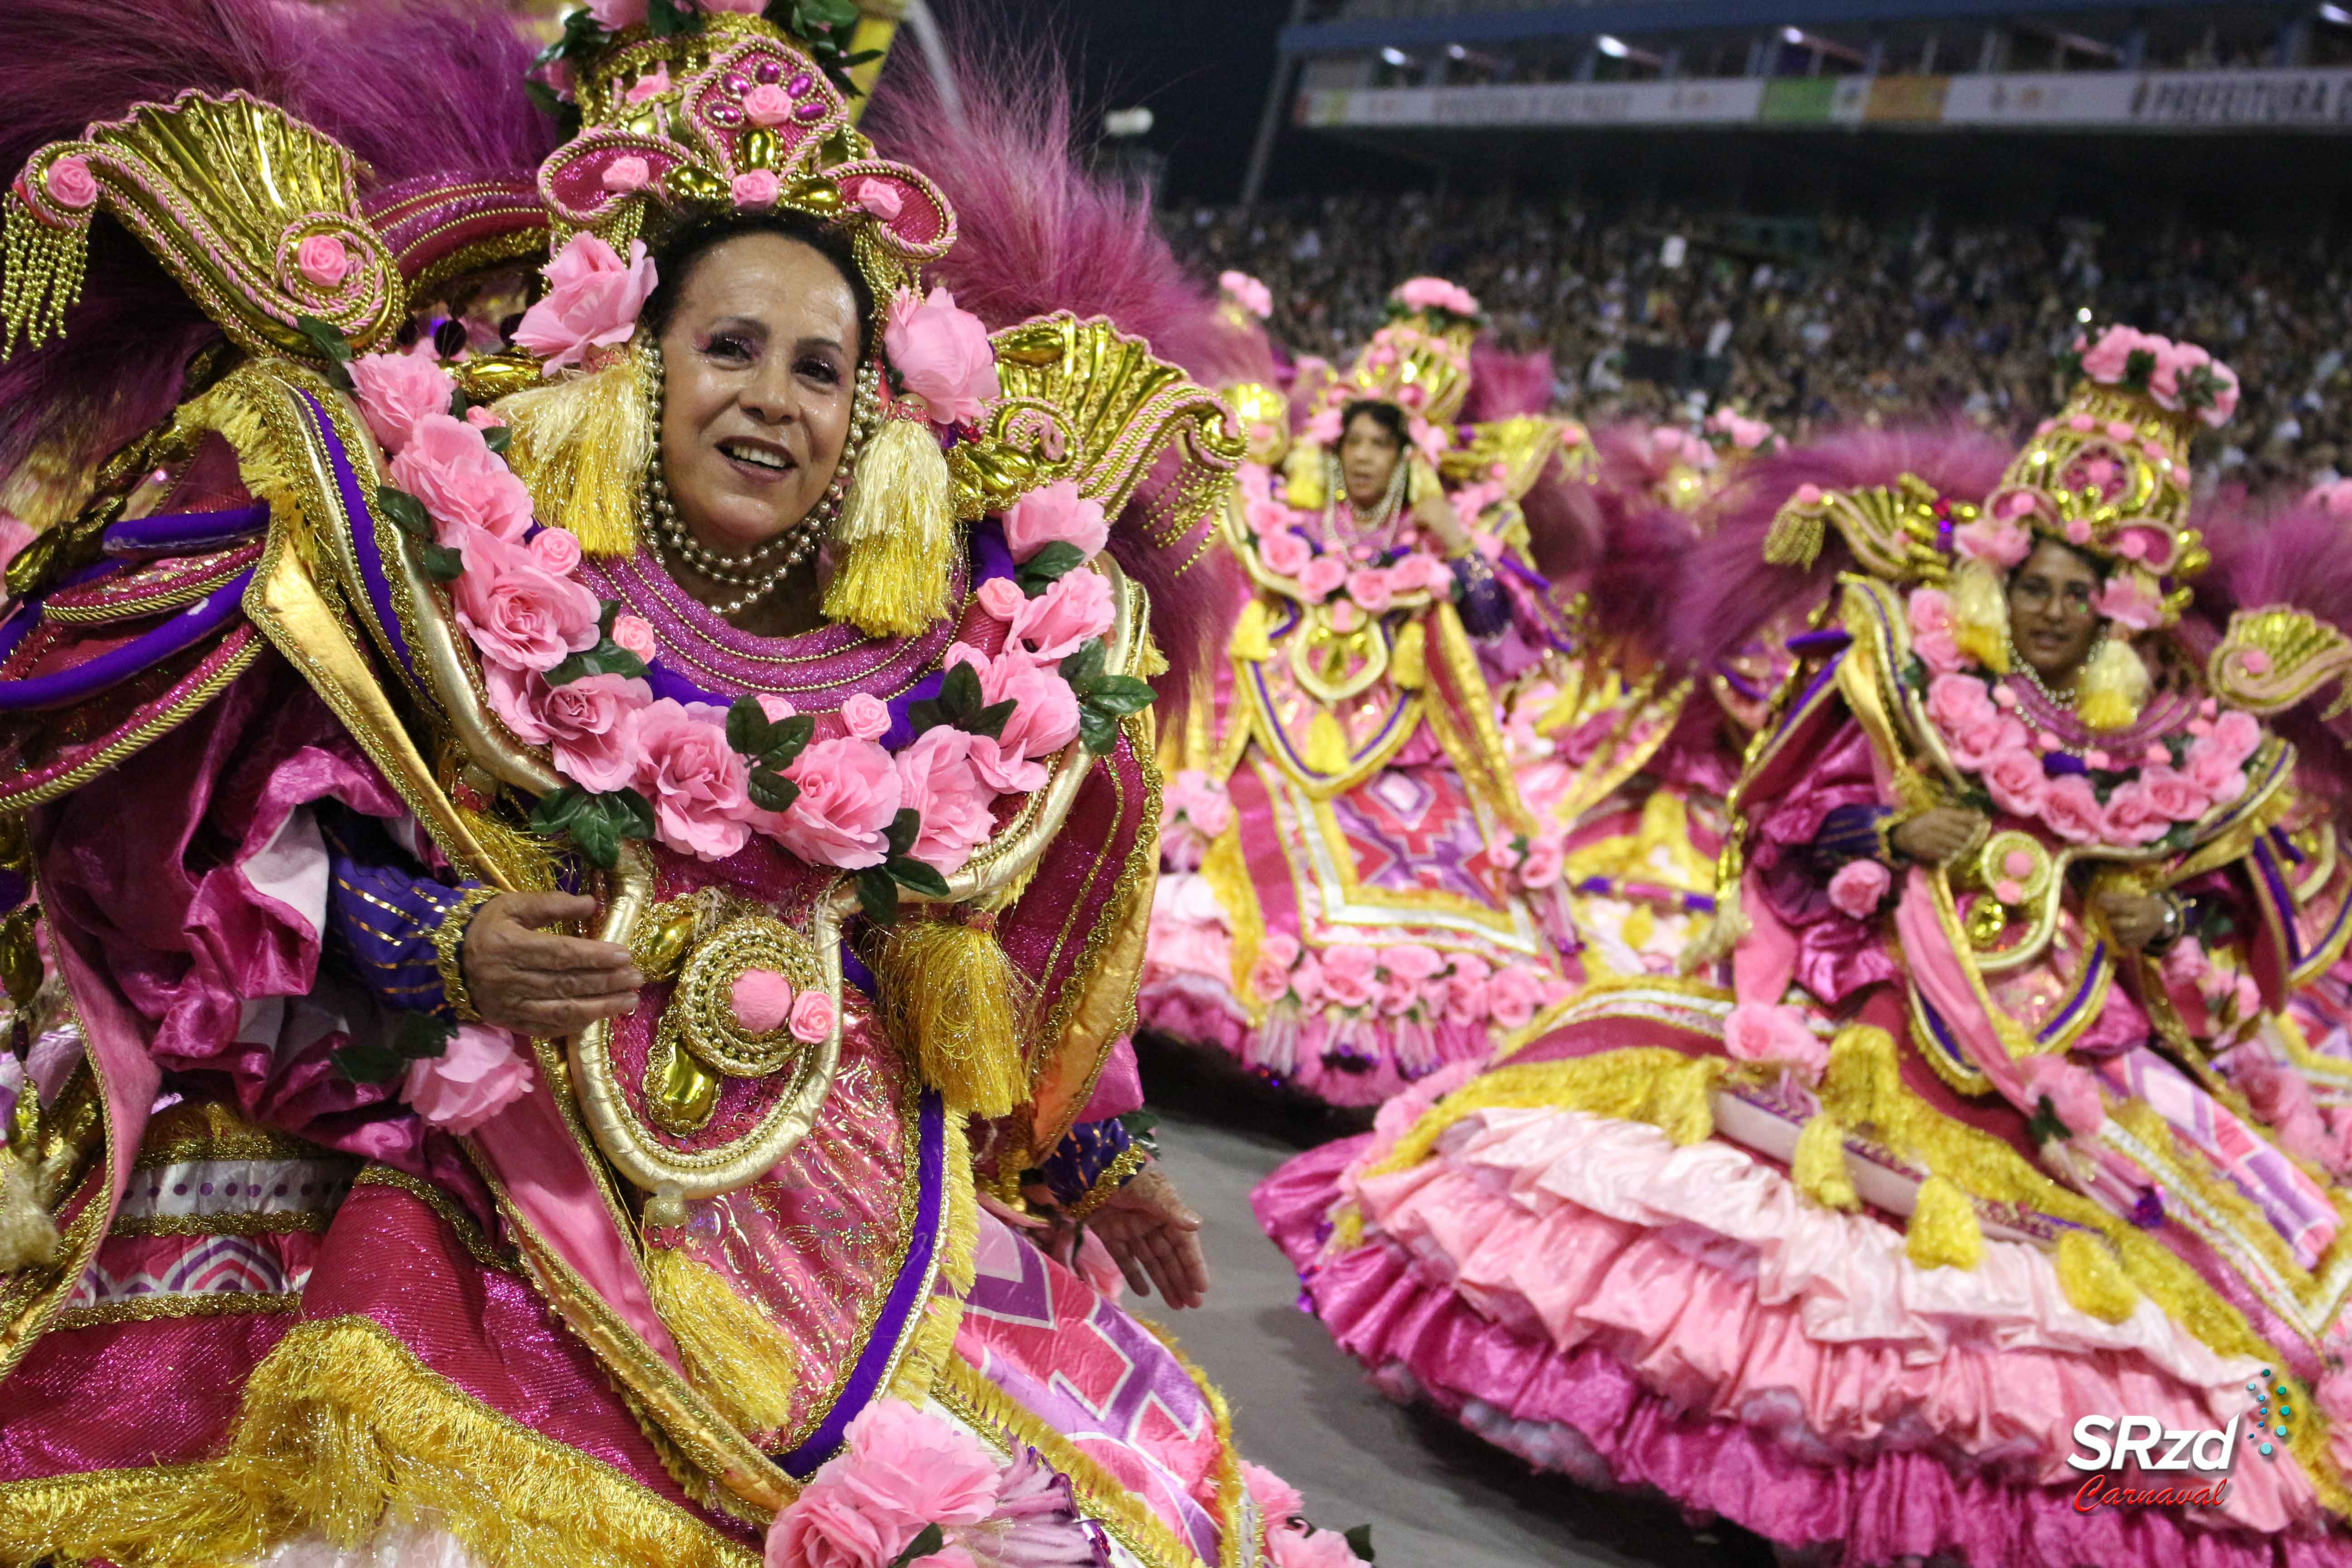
{"points": [[1512, 994], [1045, 719], [1547, 857], [1930, 610], [1772, 1032], [1292, 1548], [1982, 738], [614, 15], [775, 709], [482, 418], [1276, 1499], [556, 550], [1195, 795], [767, 104], [2017, 781], [937, 781], [1072, 612], [942, 355], [904, 1462], [322, 261], [813, 1017], [1002, 597], [1057, 514], [879, 197], [2128, 599], [1436, 293], [635, 634], [1859, 888], [866, 716], [1468, 994], [1959, 704], [1269, 981], [1411, 960], [1285, 553], [462, 483], [755, 189], [828, 1527], [2072, 809], [518, 613], [591, 301], [396, 391], [479, 1074], [2210, 769], [649, 85], [2000, 542], [2073, 1093], [1280, 946], [70, 184], [2235, 736], [2134, 816], [1349, 974], [1322, 578], [590, 723], [2105, 360], [1323, 428], [762, 1000], [849, 791], [1248, 293], [2174, 793], [1369, 587], [697, 783], [626, 175]]}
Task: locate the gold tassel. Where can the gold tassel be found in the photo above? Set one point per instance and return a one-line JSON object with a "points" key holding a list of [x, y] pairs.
{"points": [[1304, 482], [737, 1357], [1249, 639], [951, 996], [1326, 743], [895, 539], [41, 270], [1863, 1083], [1818, 1167], [1409, 662], [27, 1234], [2094, 1283], [1678, 1104], [1943, 1232], [1980, 615], [2114, 684], [581, 447]]}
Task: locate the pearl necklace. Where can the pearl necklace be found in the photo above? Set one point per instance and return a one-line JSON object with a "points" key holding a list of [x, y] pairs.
{"points": [[753, 572], [1384, 512]]}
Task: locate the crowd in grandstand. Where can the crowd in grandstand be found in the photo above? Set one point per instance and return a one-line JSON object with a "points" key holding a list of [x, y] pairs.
{"points": [[1857, 320]]}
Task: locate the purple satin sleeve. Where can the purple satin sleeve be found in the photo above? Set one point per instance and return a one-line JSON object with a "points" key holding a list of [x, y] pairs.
{"points": [[1486, 610], [382, 910], [1085, 1153]]}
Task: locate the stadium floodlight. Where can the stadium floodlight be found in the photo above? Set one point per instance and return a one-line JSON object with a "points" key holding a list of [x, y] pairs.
{"points": [[2337, 15], [2083, 315], [1613, 45], [1793, 35], [1457, 52], [1125, 122], [1395, 56]]}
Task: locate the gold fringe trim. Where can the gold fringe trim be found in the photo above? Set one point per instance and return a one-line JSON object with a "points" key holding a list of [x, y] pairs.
{"points": [[896, 540], [345, 1433], [1643, 1083], [1980, 615], [740, 1359], [41, 269], [1818, 1166], [582, 446], [2094, 1283], [949, 993], [2114, 684], [1943, 1232]]}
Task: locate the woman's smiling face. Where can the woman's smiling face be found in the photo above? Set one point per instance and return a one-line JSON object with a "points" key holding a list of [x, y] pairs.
{"points": [[759, 366], [2051, 622]]}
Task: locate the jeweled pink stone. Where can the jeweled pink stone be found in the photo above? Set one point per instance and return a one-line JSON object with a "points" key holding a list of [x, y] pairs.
{"points": [[726, 114], [799, 86], [810, 109], [736, 83], [762, 999], [770, 71]]}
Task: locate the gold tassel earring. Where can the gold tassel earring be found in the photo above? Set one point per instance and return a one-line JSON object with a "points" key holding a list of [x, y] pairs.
{"points": [[580, 446], [896, 540]]}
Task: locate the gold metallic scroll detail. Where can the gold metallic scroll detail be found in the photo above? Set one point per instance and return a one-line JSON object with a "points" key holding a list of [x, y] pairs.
{"points": [[226, 192], [1083, 401], [2274, 657], [1521, 447], [704, 1002], [1892, 532]]}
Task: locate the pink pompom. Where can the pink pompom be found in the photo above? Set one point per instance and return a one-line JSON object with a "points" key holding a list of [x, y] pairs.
{"points": [[762, 999]]}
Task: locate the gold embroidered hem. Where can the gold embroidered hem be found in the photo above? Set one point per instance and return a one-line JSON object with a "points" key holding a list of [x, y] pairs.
{"points": [[343, 1433]]}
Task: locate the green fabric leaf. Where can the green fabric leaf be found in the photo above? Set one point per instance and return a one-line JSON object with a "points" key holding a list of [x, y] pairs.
{"points": [[1119, 694], [877, 895], [1047, 567], [903, 829], [403, 511], [1083, 668], [914, 874], [1360, 1541], [442, 564], [772, 791]]}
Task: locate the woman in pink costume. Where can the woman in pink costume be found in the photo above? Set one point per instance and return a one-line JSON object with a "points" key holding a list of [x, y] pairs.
{"points": [[592, 890], [1966, 1126]]}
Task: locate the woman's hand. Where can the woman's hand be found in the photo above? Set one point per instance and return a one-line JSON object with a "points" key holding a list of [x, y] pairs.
{"points": [[1434, 515], [1155, 1238], [539, 984], [2134, 920], [1937, 833]]}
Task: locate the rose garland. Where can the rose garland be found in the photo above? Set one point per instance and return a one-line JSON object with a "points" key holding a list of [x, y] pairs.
{"points": [[2090, 797], [2178, 376], [1407, 980], [1326, 571]]}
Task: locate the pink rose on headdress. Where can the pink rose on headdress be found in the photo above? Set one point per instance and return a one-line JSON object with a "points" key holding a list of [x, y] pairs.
{"points": [[1072, 612], [626, 175], [396, 391], [322, 260], [1369, 587], [1858, 889], [2128, 599], [2001, 542], [477, 1074], [1436, 294], [1323, 429], [518, 613], [649, 85], [2134, 816], [591, 723], [1761, 1032], [813, 1017], [767, 104], [464, 486], [755, 189], [1322, 578], [697, 783], [637, 634], [70, 184], [937, 781], [866, 716], [1248, 292], [614, 15], [941, 355], [2104, 360], [2072, 1094], [1284, 553], [2016, 781], [1056, 514], [849, 791], [2072, 809], [879, 197], [593, 299]]}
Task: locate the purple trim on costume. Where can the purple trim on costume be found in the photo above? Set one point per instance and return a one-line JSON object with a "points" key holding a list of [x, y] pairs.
{"points": [[1812, 688], [854, 972], [906, 1299], [15, 889], [363, 540], [1257, 674], [2074, 1004], [1533, 579], [1941, 1033], [2285, 899], [186, 532], [2057, 763], [1649, 892], [1738, 683], [1827, 639], [2287, 846], [22, 618], [142, 653]]}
